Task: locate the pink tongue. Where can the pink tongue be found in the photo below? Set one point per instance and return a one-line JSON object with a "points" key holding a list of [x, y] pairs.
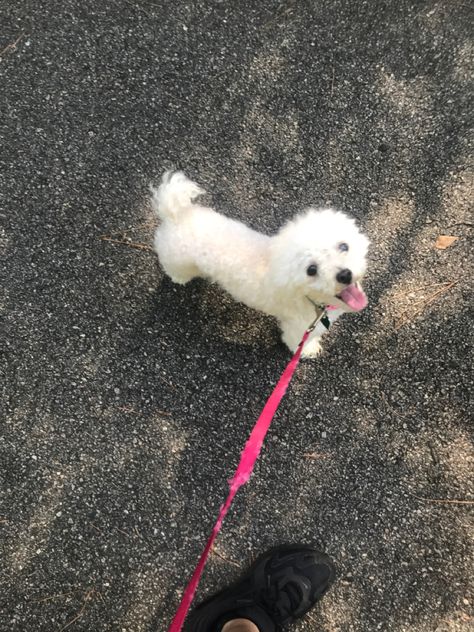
{"points": [[354, 298]]}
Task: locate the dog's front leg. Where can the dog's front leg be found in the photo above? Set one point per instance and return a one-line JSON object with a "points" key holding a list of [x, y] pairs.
{"points": [[291, 334], [312, 346]]}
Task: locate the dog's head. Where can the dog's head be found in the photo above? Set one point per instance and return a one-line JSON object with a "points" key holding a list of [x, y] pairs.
{"points": [[321, 254]]}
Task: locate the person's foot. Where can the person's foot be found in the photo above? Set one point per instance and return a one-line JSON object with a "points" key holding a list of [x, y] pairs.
{"points": [[280, 587]]}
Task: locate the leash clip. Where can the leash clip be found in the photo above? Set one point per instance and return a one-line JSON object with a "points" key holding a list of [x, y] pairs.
{"points": [[321, 316]]}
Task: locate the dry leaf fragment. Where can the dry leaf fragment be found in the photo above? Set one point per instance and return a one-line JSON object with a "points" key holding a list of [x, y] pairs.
{"points": [[444, 241]]}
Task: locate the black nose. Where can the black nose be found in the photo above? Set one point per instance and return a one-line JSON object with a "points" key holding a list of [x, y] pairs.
{"points": [[344, 276]]}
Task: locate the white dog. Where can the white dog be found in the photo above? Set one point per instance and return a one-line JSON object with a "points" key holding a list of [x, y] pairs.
{"points": [[318, 258]]}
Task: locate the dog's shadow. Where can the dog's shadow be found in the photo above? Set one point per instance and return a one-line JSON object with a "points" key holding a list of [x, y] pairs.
{"points": [[208, 318]]}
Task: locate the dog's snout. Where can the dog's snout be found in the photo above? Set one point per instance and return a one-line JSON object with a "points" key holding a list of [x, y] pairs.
{"points": [[344, 276]]}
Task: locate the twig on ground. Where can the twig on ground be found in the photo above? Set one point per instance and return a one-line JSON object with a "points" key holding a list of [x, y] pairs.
{"points": [[139, 7], [128, 409], [123, 231], [96, 528], [130, 244], [88, 596], [315, 455], [138, 532], [281, 12], [44, 599], [332, 82], [123, 532], [418, 289], [150, 4], [216, 552], [13, 45], [423, 304], [469, 224], [167, 382], [445, 501], [434, 296]]}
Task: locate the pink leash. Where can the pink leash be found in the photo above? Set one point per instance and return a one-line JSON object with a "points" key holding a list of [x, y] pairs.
{"points": [[243, 472]]}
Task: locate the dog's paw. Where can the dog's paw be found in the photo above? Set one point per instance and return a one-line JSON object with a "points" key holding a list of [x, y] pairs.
{"points": [[180, 280], [311, 349]]}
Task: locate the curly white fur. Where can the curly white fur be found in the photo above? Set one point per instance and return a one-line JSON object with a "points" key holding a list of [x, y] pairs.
{"points": [[268, 273]]}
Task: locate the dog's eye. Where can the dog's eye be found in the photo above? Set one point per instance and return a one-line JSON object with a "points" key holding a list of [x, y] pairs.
{"points": [[343, 247], [312, 270]]}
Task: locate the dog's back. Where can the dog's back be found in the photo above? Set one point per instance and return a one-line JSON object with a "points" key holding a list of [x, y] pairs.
{"points": [[193, 240]]}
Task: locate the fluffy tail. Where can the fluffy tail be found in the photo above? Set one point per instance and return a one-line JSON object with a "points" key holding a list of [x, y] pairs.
{"points": [[174, 195]]}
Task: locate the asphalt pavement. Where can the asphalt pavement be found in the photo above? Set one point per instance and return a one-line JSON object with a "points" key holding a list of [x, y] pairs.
{"points": [[126, 400]]}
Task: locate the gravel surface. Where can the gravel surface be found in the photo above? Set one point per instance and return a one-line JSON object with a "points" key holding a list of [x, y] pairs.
{"points": [[126, 399]]}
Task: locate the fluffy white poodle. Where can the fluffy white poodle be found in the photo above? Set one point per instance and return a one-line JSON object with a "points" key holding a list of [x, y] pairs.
{"points": [[318, 258]]}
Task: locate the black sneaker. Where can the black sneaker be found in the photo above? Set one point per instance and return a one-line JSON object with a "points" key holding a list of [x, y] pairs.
{"points": [[280, 587]]}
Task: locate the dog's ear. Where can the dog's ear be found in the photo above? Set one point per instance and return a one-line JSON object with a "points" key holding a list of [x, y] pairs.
{"points": [[288, 262]]}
